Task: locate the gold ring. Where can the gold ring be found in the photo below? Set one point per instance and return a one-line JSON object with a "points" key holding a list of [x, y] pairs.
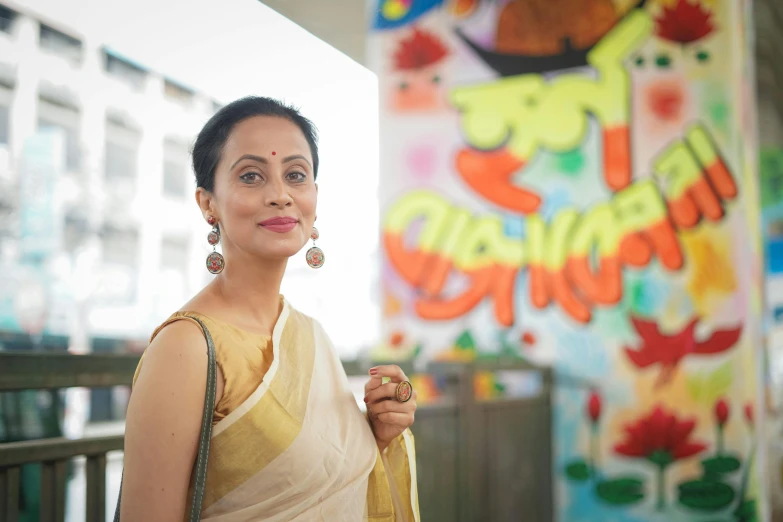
{"points": [[404, 391]]}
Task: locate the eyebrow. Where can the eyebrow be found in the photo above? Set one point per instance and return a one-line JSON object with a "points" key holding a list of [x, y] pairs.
{"points": [[260, 159]]}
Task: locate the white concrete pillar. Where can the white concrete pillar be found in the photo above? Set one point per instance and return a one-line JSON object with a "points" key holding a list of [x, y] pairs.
{"points": [[24, 103]]}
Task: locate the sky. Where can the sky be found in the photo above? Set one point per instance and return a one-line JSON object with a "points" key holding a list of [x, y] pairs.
{"points": [[233, 48]]}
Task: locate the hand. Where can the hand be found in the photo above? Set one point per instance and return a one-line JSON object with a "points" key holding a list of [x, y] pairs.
{"points": [[388, 417]]}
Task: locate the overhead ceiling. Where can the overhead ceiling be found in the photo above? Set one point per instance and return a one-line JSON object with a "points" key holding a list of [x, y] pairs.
{"points": [[340, 23]]}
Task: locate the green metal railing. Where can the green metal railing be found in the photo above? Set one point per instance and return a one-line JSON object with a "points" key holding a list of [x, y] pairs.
{"points": [[477, 460], [46, 371]]}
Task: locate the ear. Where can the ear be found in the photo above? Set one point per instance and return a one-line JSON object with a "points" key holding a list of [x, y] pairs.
{"points": [[205, 201]]}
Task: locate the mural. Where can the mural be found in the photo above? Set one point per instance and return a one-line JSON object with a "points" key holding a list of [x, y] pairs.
{"points": [[572, 182]]}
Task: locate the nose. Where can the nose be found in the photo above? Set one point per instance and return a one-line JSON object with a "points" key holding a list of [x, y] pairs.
{"points": [[278, 195]]}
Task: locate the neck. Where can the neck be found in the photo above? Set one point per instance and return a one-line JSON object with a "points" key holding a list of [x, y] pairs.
{"points": [[250, 288]]}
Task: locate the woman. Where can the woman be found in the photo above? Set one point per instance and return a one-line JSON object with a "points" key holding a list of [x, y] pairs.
{"points": [[288, 440]]}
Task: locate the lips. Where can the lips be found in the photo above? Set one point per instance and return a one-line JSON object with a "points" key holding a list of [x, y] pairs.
{"points": [[280, 225]]}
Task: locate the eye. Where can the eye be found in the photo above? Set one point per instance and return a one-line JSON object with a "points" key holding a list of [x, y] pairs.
{"points": [[250, 177], [297, 176], [663, 61], [639, 61], [702, 56]]}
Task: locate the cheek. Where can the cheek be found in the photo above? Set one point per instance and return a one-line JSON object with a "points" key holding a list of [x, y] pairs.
{"points": [[242, 202], [307, 203]]}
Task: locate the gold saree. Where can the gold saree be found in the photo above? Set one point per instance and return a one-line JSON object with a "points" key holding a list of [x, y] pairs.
{"points": [[299, 449]]}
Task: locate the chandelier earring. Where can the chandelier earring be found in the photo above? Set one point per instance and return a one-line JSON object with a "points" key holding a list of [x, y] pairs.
{"points": [[215, 261], [315, 256]]}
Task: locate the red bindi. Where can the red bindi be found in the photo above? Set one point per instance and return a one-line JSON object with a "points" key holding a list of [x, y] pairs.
{"points": [[273, 153]]}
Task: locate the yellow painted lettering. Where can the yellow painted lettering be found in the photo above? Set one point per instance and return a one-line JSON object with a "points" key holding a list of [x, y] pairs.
{"points": [[597, 228], [678, 170], [639, 207], [432, 208]]}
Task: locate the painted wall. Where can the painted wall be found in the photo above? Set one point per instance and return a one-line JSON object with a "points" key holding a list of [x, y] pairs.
{"points": [[573, 182]]}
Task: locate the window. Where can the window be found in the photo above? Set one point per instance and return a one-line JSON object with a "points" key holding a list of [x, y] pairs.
{"points": [[171, 286], [117, 278], [4, 124], [174, 254], [76, 230], [7, 17], [175, 169], [52, 116], [119, 247], [177, 92], [125, 70], [120, 161], [60, 43], [121, 154], [173, 178]]}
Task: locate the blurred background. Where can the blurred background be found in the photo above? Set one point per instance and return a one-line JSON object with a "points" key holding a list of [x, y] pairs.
{"points": [[570, 233]]}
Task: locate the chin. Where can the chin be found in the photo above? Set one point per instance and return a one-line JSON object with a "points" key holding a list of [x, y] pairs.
{"points": [[278, 253]]}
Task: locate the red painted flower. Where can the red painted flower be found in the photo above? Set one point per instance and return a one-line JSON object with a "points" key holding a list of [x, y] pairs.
{"points": [[684, 23], [396, 339], [594, 406], [529, 338], [721, 412], [661, 438], [420, 50], [749, 413]]}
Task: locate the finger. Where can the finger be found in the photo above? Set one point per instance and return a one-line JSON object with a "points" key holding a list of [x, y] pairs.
{"points": [[385, 392], [372, 384], [403, 420], [381, 393], [392, 371], [393, 407]]}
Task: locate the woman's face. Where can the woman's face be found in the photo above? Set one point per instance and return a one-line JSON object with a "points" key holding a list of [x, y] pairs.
{"points": [[265, 193]]}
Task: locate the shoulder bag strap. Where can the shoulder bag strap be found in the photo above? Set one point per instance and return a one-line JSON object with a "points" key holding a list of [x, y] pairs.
{"points": [[200, 468]]}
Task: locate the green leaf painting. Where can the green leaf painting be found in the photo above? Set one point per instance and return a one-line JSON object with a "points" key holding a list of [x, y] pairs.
{"points": [[746, 512], [578, 470], [620, 491], [465, 341], [706, 495], [720, 465]]}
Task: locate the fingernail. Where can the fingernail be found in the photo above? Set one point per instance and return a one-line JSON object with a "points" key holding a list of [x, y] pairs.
{"points": [[373, 371]]}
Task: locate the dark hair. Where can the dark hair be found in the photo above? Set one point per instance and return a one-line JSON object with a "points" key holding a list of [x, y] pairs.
{"points": [[210, 141]]}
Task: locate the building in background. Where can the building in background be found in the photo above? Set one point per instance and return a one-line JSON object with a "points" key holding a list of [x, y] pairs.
{"points": [[100, 239], [98, 147]]}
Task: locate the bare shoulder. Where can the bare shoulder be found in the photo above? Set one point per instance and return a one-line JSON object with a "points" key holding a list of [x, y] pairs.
{"points": [[178, 347], [163, 424]]}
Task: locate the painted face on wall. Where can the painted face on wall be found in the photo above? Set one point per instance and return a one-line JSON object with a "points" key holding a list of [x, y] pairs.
{"points": [[418, 69]]}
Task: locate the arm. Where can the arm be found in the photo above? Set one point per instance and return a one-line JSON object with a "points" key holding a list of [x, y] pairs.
{"points": [[163, 426]]}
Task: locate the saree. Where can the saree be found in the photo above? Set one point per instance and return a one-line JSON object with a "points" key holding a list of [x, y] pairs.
{"points": [[299, 448]]}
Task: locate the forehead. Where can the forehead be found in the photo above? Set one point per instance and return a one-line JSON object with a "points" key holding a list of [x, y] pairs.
{"points": [[264, 134]]}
